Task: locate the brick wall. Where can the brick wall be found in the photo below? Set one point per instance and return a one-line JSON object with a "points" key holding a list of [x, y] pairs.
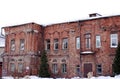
{"points": [[33, 45], [35, 40]]}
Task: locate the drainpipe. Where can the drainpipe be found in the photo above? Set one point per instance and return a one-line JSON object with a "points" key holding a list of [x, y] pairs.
{"points": [[79, 26]]}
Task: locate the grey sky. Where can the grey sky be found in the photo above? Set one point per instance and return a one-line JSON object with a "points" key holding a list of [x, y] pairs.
{"points": [[13, 12]]}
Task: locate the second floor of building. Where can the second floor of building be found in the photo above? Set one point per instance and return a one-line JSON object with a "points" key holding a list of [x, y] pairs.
{"points": [[88, 35]]}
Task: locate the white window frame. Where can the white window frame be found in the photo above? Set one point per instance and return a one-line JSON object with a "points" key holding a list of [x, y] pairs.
{"points": [[65, 43], [88, 41], [12, 67], [20, 67], [114, 38], [56, 43], [78, 69], [98, 41], [47, 43], [64, 68], [55, 68], [22, 44], [99, 69], [78, 43], [13, 45]]}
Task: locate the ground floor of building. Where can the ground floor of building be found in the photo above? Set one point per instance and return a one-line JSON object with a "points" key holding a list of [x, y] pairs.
{"points": [[61, 66]]}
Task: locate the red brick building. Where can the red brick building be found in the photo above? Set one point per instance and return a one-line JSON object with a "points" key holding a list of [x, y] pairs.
{"points": [[22, 49], [73, 48]]}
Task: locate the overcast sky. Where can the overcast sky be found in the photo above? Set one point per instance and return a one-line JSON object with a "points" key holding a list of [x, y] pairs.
{"points": [[14, 12]]}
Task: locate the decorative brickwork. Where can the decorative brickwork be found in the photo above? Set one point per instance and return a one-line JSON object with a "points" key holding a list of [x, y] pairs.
{"points": [[65, 60]]}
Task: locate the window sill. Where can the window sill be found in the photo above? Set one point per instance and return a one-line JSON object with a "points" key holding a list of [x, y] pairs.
{"points": [[55, 51], [113, 46], [87, 52], [64, 49], [98, 47], [47, 51], [99, 74], [64, 72]]}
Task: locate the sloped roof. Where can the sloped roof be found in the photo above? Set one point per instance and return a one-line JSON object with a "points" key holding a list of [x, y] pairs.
{"points": [[86, 19]]}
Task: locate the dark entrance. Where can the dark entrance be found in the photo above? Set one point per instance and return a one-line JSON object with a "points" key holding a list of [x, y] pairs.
{"points": [[0, 69], [87, 68]]}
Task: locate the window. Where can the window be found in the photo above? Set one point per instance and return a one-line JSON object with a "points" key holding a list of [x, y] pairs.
{"points": [[22, 44], [65, 43], [78, 43], [13, 45], [98, 42], [12, 67], [56, 44], [114, 40], [64, 68], [78, 69], [88, 39], [48, 44], [54, 68], [99, 69], [20, 67]]}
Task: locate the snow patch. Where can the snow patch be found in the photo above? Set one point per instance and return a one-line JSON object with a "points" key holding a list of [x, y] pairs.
{"points": [[35, 77]]}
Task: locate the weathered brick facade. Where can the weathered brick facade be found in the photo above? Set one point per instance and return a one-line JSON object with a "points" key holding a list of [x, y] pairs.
{"points": [[77, 62], [29, 57]]}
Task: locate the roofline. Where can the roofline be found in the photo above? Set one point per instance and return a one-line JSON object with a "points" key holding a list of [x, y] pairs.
{"points": [[21, 25], [99, 17], [85, 19], [80, 20]]}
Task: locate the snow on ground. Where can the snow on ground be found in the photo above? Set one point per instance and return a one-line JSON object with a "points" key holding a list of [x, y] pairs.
{"points": [[35, 77]]}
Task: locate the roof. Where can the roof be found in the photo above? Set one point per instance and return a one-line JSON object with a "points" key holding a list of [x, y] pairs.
{"points": [[21, 25], [99, 17], [87, 19], [72, 21]]}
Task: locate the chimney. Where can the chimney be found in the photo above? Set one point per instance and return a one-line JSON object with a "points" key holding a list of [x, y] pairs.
{"points": [[94, 15]]}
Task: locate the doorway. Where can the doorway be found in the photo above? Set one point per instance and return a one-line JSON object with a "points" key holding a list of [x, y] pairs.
{"points": [[0, 69], [87, 68]]}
